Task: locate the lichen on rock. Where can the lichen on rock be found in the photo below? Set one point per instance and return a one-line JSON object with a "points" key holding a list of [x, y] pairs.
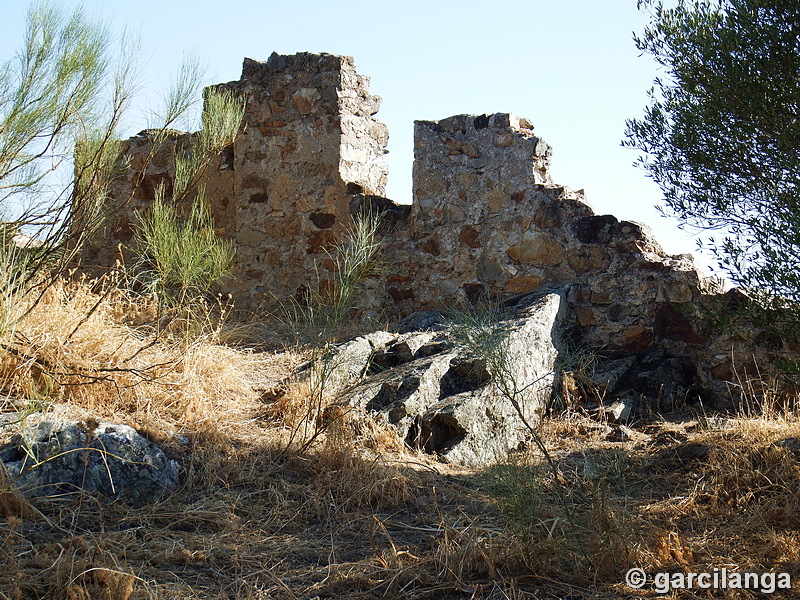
{"points": [[58, 459]]}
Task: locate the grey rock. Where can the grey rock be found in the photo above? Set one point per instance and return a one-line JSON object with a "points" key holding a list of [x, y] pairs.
{"points": [[424, 320], [608, 372], [60, 459], [620, 433], [342, 366], [408, 347], [720, 422], [620, 410], [405, 392], [445, 399]]}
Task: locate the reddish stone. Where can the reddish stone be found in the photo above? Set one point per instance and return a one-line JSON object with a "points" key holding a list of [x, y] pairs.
{"points": [[586, 316], [453, 147], [273, 128], [278, 95], [741, 369], [254, 181], [431, 246], [469, 236], [146, 190], [254, 274], [522, 284], [537, 248], [399, 295], [399, 278], [637, 337], [305, 100], [518, 196], [722, 372], [318, 241]]}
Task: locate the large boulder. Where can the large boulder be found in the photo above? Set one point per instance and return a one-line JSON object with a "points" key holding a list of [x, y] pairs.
{"points": [[461, 391], [59, 459]]}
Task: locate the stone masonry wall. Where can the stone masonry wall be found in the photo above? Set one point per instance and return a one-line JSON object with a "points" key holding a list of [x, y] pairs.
{"points": [[487, 222], [134, 191], [282, 191]]}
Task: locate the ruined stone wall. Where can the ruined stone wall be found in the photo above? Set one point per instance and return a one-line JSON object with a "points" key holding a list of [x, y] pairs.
{"points": [[487, 222], [147, 169], [310, 132], [282, 192], [484, 207]]}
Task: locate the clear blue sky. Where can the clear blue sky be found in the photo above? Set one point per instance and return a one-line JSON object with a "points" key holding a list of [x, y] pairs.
{"points": [[569, 66]]}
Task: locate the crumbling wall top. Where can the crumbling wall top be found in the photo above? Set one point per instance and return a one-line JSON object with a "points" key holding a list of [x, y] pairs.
{"points": [[259, 71], [501, 144]]}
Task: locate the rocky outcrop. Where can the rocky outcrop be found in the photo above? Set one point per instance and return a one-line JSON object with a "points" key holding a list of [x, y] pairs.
{"points": [[62, 459], [464, 388]]}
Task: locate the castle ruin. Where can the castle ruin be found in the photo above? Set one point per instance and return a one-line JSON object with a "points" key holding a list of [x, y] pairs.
{"points": [[486, 221]]}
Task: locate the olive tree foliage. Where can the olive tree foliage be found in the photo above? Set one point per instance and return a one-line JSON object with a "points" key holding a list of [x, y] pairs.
{"points": [[721, 134]]}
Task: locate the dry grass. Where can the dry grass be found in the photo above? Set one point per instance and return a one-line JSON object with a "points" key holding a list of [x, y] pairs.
{"points": [[98, 353], [354, 514]]}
